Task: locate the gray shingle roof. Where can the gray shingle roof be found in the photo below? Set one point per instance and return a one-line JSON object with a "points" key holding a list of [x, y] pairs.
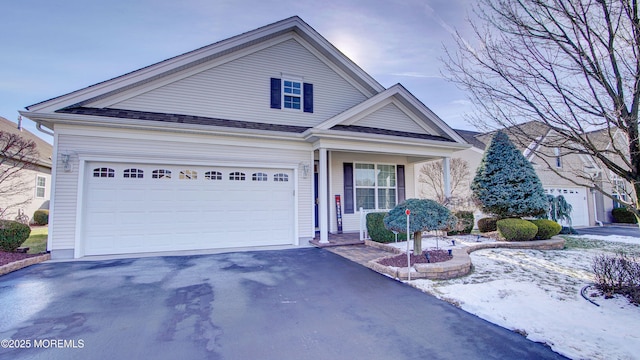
{"points": [[369, 130], [181, 119]]}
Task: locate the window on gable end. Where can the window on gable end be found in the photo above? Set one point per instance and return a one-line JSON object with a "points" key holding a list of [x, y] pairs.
{"points": [[291, 94]]}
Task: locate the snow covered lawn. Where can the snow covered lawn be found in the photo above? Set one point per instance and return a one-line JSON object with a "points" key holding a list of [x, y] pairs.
{"points": [[537, 293]]}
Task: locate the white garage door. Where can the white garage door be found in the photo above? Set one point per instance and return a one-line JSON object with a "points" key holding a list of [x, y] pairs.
{"points": [[131, 208], [577, 197]]}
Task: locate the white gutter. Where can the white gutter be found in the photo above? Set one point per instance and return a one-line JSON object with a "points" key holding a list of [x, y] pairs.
{"points": [[39, 127]]}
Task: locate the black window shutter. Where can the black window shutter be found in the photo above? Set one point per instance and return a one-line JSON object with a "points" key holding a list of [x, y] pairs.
{"points": [[276, 94], [401, 186], [348, 188], [308, 97]]}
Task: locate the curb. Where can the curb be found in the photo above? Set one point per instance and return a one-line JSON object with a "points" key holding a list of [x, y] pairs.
{"points": [[460, 265], [17, 265]]}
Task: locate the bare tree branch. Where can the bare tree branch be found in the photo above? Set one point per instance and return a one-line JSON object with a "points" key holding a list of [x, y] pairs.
{"points": [[571, 65]]}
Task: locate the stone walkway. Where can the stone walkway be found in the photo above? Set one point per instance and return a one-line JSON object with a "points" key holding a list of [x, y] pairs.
{"points": [[360, 254]]}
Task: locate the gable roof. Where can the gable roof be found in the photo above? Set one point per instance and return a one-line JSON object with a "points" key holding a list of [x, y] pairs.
{"points": [[423, 117], [44, 149], [208, 53], [472, 138]]}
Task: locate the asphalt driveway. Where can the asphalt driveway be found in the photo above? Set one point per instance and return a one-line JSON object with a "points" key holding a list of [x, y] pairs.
{"points": [[632, 231], [290, 304]]}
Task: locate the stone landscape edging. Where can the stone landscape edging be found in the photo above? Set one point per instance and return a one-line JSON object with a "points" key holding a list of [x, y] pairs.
{"points": [[460, 264], [17, 265]]}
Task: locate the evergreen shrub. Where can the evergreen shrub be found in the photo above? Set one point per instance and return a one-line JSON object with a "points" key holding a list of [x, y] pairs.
{"points": [[378, 232], [464, 224], [517, 229], [624, 216], [487, 224], [546, 228], [41, 217], [12, 235]]}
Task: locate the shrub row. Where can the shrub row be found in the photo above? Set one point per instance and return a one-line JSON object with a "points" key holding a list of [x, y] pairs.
{"points": [[622, 215], [523, 230], [12, 235]]}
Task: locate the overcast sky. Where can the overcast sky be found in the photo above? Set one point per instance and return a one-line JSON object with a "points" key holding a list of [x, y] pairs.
{"points": [[50, 48]]}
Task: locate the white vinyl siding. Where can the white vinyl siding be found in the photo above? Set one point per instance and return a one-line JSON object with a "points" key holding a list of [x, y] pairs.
{"points": [[392, 118], [216, 92], [351, 222], [167, 148]]}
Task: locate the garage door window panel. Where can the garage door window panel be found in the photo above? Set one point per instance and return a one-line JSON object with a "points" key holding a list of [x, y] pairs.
{"points": [[188, 175], [260, 176], [133, 174], [213, 175], [280, 177], [161, 174], [104, 172], [237, 176]]}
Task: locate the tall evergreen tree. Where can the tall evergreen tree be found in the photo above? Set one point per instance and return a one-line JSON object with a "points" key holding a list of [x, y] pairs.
{"points": [[506, 184]]}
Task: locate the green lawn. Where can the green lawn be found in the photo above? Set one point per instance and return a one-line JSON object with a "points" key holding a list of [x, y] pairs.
{"points": [[37, 241]]}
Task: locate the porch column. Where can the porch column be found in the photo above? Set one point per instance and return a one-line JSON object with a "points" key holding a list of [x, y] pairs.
{"points": [[446, 172], [323, 206]]}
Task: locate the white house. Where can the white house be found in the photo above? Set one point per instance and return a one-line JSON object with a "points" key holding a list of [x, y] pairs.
{"points": [[245, 142]]}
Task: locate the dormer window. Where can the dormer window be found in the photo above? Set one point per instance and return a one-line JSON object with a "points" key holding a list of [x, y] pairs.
{"points": [[292, 94], [289, 93]]}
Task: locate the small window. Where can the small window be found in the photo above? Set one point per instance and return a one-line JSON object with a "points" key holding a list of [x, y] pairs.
{"points": [[134, 173], [556, 152], [213, 175], [104, 172], [280, 177], [236, 176], [259, 177], [41, 183], [188, 175], [161, 174], [292, 93]]}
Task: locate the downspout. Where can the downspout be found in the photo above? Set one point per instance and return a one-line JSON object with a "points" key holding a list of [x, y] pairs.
{"points": [[39, 127], [595, 209]]}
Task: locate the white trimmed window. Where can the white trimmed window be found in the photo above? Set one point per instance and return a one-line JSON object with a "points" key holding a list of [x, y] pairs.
{"points": [[619, 191], [292, 94], [41, 183], [375, 186]]}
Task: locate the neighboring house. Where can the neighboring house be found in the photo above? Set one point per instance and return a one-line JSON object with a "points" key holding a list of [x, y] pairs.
{"points": [[589, 207], [245, 142], [36, 175]]}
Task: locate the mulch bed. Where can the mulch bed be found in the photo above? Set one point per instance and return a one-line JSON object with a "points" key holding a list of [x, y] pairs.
{"points": [[435, 256], [8, 257]]}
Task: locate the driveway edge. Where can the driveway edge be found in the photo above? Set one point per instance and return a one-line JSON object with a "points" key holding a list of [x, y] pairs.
{"points": [[17, 265]]}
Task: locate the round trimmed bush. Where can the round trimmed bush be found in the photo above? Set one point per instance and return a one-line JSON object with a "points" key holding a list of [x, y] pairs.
{"points": [[624, 216], [517, 229], [546, 228], [41, 217], [487, 224], [12, 235]]}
